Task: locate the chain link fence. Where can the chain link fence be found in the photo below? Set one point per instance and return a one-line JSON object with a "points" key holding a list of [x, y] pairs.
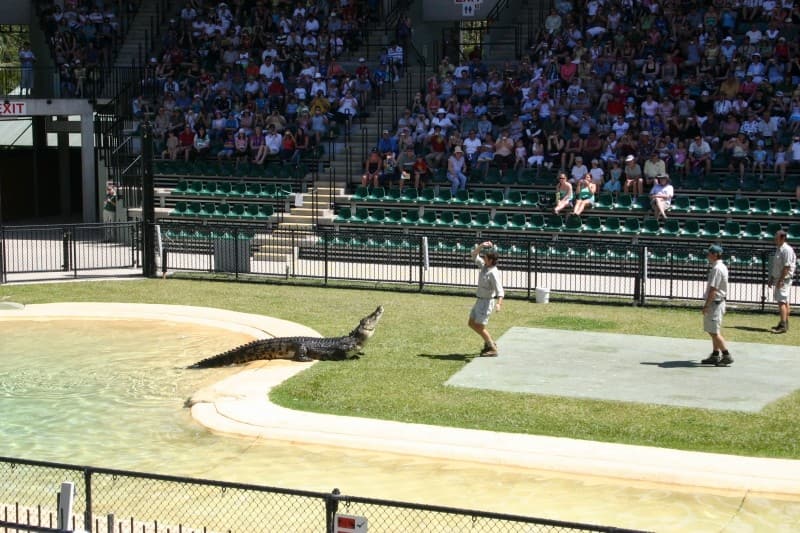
{"points": [[115, 501]]}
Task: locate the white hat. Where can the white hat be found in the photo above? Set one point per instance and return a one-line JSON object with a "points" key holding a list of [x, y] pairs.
{"points": [[457, 150], [629, 159], [704, 93], [317, 75], [361, 59], [728, 39], [441, 111]]}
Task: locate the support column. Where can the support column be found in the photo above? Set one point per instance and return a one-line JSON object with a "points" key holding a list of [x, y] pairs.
{"points": [[93, 193], [64, 181], [39, 133]]}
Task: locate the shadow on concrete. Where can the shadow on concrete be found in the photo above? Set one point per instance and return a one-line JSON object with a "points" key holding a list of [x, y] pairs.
{"points": [[675, 364], [449, 356]]}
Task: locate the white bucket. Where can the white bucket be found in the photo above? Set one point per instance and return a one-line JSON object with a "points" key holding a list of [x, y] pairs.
{"points": [[542, 295]]}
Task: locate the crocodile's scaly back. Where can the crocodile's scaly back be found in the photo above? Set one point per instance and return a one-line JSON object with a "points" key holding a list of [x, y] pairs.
{"points": [[299, 348]]}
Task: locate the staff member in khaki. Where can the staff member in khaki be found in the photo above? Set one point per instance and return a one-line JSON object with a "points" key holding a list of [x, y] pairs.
{"points": [[781, 272], [490, 295], [714, 307]]}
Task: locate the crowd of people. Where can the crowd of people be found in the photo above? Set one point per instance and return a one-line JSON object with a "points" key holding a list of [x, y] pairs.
{"points": [[620, 96]]}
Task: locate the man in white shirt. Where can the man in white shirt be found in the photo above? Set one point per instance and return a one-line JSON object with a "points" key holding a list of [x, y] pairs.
{"points": [[273, 141], [661, 195], [781, 272], [714, 307]]}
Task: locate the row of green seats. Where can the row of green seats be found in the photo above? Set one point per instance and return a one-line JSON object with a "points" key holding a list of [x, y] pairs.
{"points": [[274, 170], [428, 195], [221, 210], [231, 189], [710, 229], [732, 182], [738, 206]]}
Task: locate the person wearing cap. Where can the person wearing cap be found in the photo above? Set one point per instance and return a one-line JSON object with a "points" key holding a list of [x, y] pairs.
{"points": [[661, 196], [456, 167], [489, 294], [653, 167], [781, 273], [387, 144], [632, 172], [714, 307]]}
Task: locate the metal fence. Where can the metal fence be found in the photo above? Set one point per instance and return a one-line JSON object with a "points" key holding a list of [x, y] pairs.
{"points": [[634, 272], [424, 260], [116, 501], [37, 252]]}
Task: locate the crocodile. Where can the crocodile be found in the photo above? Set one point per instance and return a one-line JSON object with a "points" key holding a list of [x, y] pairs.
{"points": [[300, 348]]}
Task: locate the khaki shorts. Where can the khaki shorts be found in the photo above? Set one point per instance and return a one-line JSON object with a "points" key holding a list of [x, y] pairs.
{"points": [[712, 320], [780, 292], [482, 309]]}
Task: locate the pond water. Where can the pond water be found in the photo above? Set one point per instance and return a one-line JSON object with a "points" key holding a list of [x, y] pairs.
{"points": [[111, 393]]}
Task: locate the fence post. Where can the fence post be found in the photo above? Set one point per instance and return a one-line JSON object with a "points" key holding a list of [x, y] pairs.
{"points": [[2, 252], [331, 506], [87, 513]]}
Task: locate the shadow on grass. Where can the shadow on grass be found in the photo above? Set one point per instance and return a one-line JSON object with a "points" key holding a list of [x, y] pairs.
{"points": [[751, 328], [449, 356], [676, 364]]}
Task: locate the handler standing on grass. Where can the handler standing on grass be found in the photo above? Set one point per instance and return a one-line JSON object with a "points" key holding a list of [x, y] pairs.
{"points": [[490, 294], [714, 307], [781, 273]]}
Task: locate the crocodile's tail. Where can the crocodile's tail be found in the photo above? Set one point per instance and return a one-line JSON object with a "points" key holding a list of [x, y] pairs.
{"points": [[237, 356]]}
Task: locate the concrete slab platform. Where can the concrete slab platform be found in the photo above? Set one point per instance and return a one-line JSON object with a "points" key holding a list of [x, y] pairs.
{"points": [[634, 368]]}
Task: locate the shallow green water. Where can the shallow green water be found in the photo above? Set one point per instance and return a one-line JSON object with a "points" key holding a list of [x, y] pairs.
{"points": [[111, 394]]}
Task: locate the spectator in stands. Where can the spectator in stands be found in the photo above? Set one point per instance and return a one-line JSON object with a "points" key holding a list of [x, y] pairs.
{"points": [[738, 149], [373, 168], [699, 156], [186, 143], [504, 152], [228, 147], [780, 161], [653, 167], [632, 172], [173, 146], [613, 184], [456, 168], [421, 173], [405, 163], [578, 171], [563, 193], [586, 193], [388, 144], [202, 143], [661, 196], [242, 147], [273, 141], [437, 144]]}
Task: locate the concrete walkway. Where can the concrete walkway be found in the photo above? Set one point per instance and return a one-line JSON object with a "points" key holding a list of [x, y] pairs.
{"points": [[239, 405]]}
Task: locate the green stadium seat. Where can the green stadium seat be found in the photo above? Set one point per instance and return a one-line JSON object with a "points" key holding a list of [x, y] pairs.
{"points": [[772, 228], [592, 225], [446, 219], [751, 184], [711, 230], [208, 210], [238, 190], [671, 228], [531, 199], [428, 218], [710, 183], [361, 193], [631, 226], [393, 217], [481, 221], [517, 222], [514, 199], [701, 205], [554, 223], [477, 197], [650, 226], [342, 216], [573, 223], [376, 216], [691, 183], [730, 183], [222, 211], [359, 216], [641, 203], [793, 232], [223, 188], [691, 228], [495, 198], [443, 196], [624, 202], [393, 195], [536, 223], [236, 211], [426, 196], [605, 201], [265, 211], [253, 190], [179, 210], [463, 220], [721, 205], [752, 231], [761, 207], [681, 204], [411, 218], [180, 187], [731, 230], [376, 194], [790, 184], [409, 195], [741, 206], [611, 225], [770, 184], [461, 198], [783, 207], [499, 221], [254, 211]]}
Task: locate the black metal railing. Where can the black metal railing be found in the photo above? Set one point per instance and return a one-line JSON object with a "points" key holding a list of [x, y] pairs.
{"points": [[119, 501], [68, 249]]}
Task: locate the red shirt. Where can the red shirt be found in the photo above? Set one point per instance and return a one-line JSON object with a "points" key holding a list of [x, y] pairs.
{"points": [[186, 138]]}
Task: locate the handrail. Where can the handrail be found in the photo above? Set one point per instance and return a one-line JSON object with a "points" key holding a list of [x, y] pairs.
{"points": [[494, 13]]}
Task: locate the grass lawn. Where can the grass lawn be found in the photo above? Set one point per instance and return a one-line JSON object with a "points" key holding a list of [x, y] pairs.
{"points": [[423, 339]]}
